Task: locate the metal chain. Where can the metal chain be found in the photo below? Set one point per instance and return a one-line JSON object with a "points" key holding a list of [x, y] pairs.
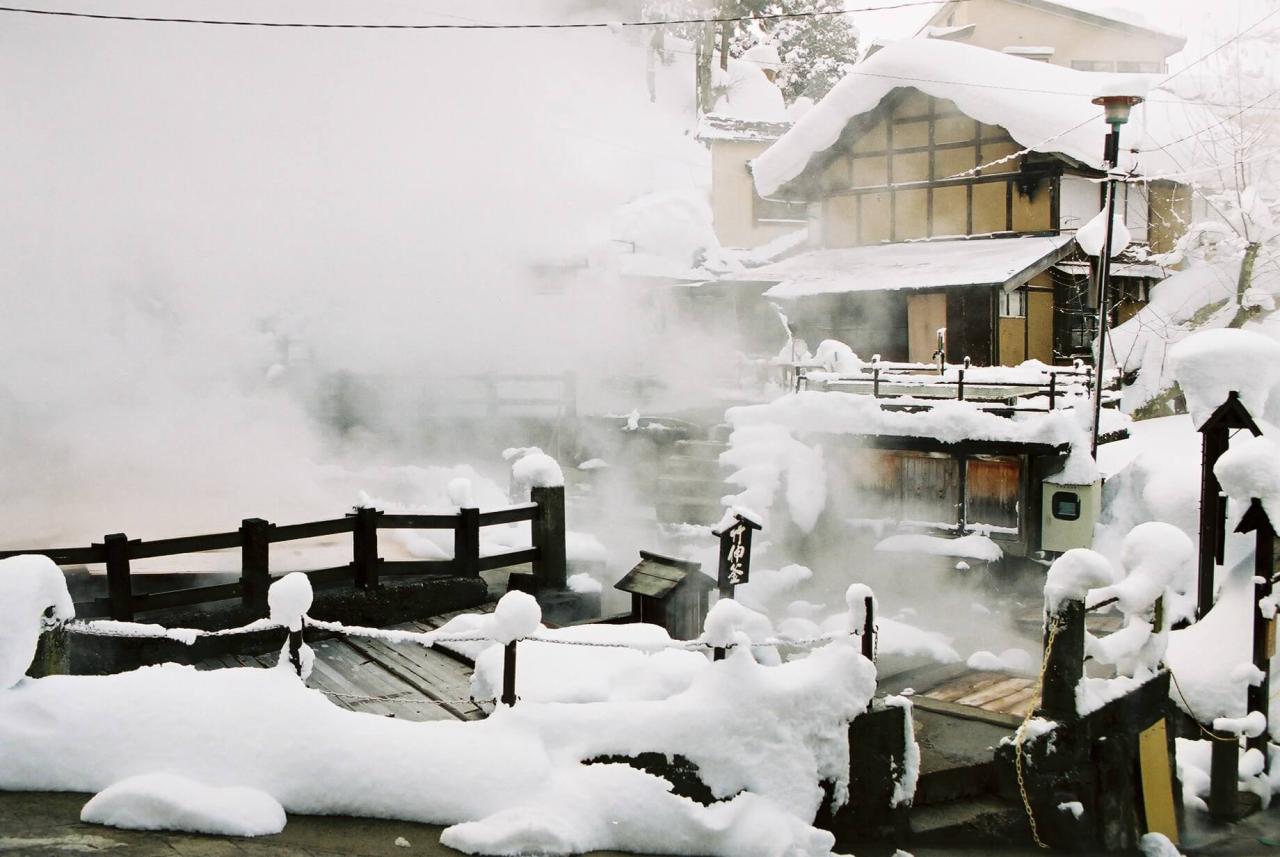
{"points": [[1020, 736], [1195, 717], [432, 638]]}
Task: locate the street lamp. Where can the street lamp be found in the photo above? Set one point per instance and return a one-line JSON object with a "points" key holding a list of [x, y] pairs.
{"points": [[1117, 109]]}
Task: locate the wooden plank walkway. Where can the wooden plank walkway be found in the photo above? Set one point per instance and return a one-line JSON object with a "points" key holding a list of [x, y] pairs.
{"points": [[402, 680]]}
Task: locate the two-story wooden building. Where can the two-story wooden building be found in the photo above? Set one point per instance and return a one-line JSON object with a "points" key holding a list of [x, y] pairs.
{"points": [[943, 185]]}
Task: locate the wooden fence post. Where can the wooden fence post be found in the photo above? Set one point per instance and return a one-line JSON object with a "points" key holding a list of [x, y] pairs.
{"points": [[869, 630], [1064, 649], [295, 648], [551, 567], [255, 558], [1257, 521], [364, 547], [1224, 774], [509, 674], [1053, 388], [466, 543], [119, 585]]}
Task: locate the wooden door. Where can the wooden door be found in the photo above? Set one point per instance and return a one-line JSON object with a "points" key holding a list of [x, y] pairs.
{"points": [[925, 314], [930, 488]]}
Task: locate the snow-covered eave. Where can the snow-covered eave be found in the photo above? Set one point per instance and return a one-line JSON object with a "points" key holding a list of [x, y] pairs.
{"points": [[796, 283], [970, 445]]}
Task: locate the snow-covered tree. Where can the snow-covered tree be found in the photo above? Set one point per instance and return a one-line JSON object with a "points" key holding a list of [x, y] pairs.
{"points": [[816, 51]]}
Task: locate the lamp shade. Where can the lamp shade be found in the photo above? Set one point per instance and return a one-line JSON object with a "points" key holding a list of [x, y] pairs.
{"points": [[1117, 107]]}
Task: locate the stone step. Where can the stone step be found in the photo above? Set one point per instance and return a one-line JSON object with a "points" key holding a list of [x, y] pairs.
{"points": [[972, 821], [954, 783]]}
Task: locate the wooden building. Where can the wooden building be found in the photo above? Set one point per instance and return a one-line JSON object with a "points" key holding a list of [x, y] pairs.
{"points": [[1058, 33], [741, 217], [669, 592], [903, 164]]}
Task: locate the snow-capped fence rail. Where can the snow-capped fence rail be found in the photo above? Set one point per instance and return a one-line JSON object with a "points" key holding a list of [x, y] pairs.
{"points": [[545, 512], [1006, 390]]}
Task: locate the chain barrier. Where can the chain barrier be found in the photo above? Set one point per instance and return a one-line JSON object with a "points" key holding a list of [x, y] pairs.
{"points": [[1021, 735], [187, 636], [1195, 717]]}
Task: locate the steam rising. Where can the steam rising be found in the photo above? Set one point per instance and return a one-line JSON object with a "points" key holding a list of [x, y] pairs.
{"points": [[204, 224]]}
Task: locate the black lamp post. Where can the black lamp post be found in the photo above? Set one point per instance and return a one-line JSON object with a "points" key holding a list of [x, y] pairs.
{"points": [[1117, 109]]}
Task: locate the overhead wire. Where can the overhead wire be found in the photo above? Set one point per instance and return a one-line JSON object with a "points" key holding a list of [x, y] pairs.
{"points": [[470, 25]]}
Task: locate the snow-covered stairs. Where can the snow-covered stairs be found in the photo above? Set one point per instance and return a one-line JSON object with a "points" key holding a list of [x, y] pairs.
{"points": [[691, 481]]}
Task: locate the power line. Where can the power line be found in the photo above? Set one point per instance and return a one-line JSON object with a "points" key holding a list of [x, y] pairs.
{"points": [[563, 25]]}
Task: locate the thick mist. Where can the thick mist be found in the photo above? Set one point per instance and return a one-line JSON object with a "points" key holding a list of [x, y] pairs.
{"points": [[203, 223]]}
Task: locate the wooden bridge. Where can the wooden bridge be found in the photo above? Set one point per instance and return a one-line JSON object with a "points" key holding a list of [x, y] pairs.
{"points": [[407, 681]]}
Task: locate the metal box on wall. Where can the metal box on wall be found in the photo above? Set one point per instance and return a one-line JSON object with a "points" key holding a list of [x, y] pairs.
{"points": [[1068, 515]]}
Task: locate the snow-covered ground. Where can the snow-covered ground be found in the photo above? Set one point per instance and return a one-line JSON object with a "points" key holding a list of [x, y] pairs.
{"points": [[169, 747]]}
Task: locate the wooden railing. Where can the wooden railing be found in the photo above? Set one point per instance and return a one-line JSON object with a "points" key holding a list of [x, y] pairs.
{"points": [[915, 380], [545, 512]]}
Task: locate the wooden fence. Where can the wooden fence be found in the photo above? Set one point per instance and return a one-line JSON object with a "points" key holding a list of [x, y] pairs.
{"points": [[545, 512], [995, 393]]}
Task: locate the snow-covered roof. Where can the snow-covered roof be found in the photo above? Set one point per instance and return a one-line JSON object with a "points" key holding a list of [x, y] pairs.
{"points": [[715, 126], [1046, 108], [1111, 15], [913, 265]]}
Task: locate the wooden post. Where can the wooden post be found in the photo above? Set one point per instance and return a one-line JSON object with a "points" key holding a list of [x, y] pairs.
{"points": [[466, 543], [869, 630], [295, 649], [509, 674], [364, 544], [1065, 662], [119, 585], [552, 565], [717, 653], [1214, 443], [875, 382], [960, 385], [255, 558], [1053, 388], [1224, 772], [1264, 640]]}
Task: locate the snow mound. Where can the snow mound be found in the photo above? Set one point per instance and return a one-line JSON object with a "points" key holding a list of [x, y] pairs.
{"points": [[972, 546], [460, 493], [1093, 235], [1251, 468], [537, 470], [1073, 574], [1212, 363], [517, 616], [1010, 661], [172, 802], [289, 599], [729, 623], [33, 596]]}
